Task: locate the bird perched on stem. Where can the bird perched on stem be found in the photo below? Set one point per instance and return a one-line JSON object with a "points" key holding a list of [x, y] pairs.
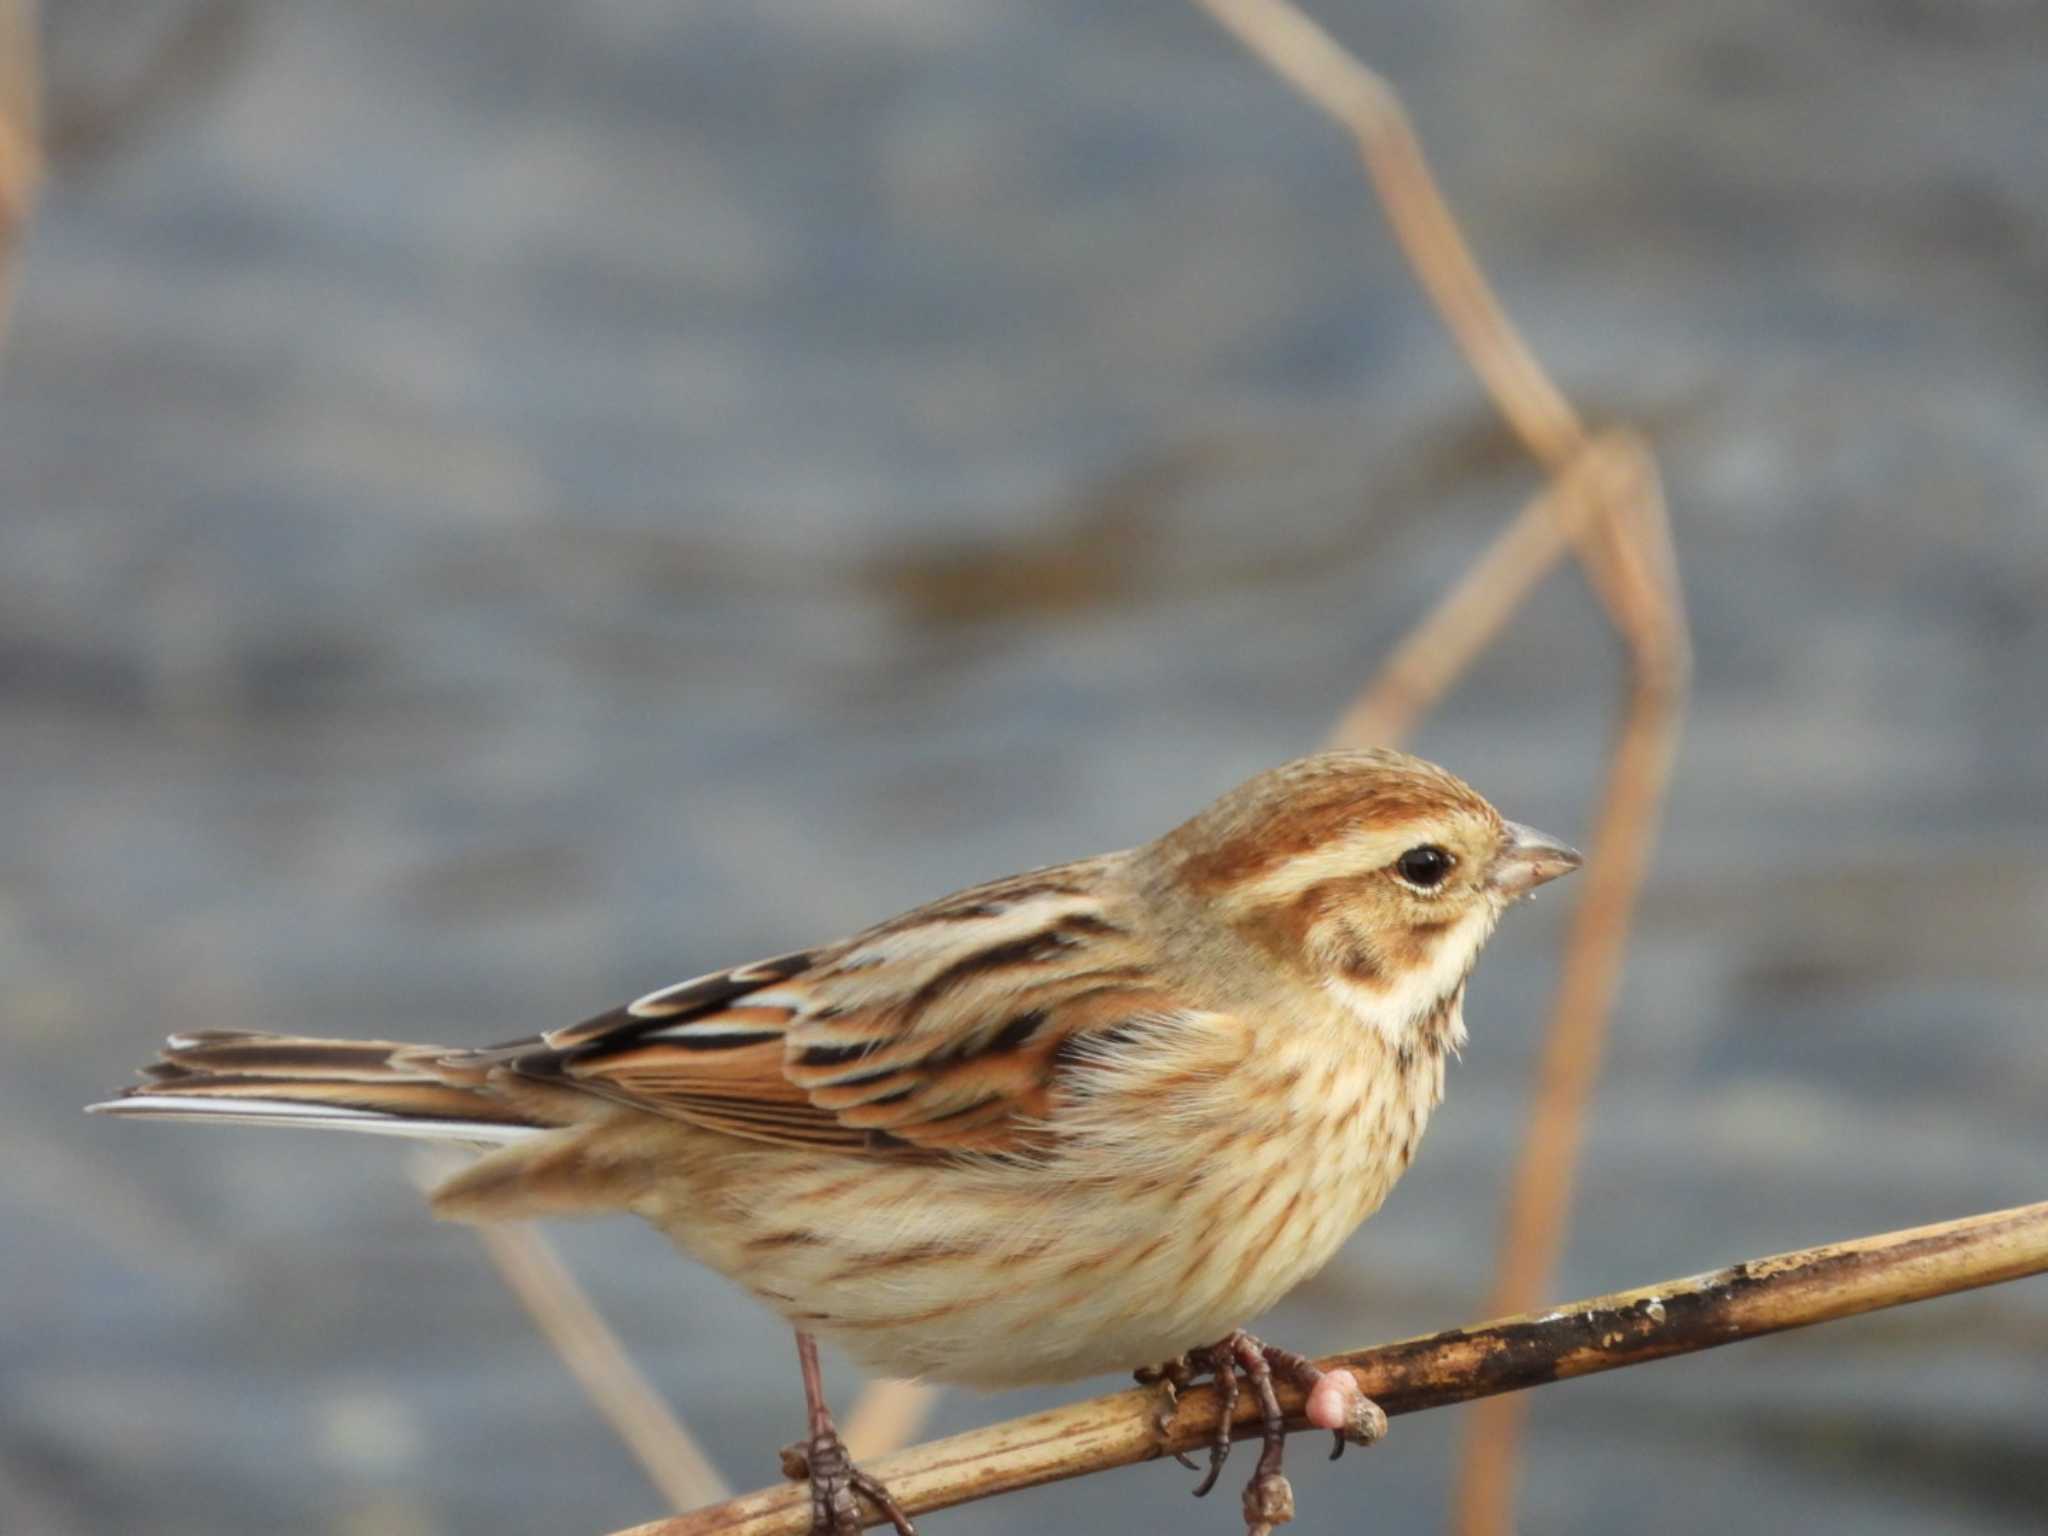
{"points": [[1092, 1117]]}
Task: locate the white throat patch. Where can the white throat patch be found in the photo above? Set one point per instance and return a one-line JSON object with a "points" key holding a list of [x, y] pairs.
{"points": [[1396, 1012]]}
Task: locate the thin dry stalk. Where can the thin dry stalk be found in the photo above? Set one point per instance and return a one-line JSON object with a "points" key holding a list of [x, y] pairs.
{"points": [[667, 1452], [1539, 1203], [1468, 618], [1643, 600], [1606, 501], [887, 1416], [1793, 1290], [1323, 73]]}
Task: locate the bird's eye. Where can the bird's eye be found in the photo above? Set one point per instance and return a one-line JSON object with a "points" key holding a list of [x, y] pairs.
{"points": [[1424, 867]]}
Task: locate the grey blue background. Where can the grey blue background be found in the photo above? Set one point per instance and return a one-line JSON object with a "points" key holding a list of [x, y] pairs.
{"points": [[505, 505]]}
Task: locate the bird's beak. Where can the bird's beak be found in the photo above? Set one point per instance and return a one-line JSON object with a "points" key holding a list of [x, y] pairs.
{"points": [[1530, 859]]}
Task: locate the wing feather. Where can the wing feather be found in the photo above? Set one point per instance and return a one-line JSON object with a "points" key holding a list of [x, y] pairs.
{"points": [[944, 1031]]}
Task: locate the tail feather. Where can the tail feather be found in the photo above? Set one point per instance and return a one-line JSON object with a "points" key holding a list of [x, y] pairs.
{"points": [[233, 1077]]}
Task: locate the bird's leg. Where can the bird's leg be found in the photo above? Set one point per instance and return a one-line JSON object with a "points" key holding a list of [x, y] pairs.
{"points": [[821, 1458], [1268, 1497], [1332, 1400]]}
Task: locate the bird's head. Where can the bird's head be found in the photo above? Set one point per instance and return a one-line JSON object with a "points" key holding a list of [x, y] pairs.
{"points": [[1377, 875]]}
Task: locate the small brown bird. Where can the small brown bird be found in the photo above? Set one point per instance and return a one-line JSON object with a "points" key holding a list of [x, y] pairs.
{"points": [[1092, 1117]]}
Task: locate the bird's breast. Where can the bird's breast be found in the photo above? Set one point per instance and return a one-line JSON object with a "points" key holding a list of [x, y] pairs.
{"points": [[1182, 1215], [1344, 1122]]}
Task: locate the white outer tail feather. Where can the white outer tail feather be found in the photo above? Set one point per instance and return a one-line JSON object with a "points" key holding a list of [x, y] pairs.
{"points": [[334, 1117]]}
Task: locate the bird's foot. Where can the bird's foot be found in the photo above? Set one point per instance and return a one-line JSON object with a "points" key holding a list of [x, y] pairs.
{"points": [[1332, 1401], [822, 1460]]}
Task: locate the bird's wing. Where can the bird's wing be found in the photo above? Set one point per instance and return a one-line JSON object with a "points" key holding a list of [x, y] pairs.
{"points": [[946, 1030]]}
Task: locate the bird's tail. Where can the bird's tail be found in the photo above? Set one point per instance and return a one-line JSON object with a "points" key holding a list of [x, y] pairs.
{"points": [[234, 1077]]}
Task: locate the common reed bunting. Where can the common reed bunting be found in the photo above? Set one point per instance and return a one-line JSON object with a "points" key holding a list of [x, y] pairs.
{"points": [[1088, 1118]]}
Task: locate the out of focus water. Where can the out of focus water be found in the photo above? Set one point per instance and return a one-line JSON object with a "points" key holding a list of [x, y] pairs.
{"points": [[503, 506]]}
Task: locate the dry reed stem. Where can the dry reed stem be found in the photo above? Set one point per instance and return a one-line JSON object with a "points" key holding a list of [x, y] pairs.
{"points": [[1323, 73], [887, 1416], [667, 1452], [1641, 593], [1468, 618], [1606, 501], [1539, 1202], [1792, 1290]]}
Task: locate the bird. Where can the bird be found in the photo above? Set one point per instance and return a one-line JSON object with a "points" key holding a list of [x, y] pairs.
{"points": [[1097, 1116]]}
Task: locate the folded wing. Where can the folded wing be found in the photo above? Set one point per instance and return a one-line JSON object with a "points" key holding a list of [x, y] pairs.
{"points": [[943, 1031]]}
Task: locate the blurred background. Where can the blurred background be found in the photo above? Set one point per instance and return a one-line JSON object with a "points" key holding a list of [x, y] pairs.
{"points": [[506, 505]]}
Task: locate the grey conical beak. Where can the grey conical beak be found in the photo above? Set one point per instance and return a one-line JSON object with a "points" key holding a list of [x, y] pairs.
{"points": [[1530, 859]]}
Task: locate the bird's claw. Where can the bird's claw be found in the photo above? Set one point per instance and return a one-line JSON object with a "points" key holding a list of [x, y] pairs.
{"points": [[1167, 1380], [1268, 1498], [823, 1462]]}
